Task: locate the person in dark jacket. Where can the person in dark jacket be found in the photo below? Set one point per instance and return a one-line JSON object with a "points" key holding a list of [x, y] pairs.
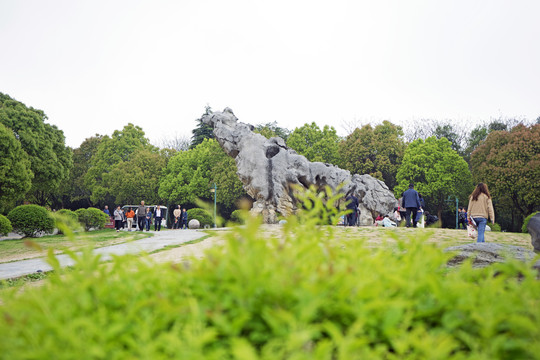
{"points": [[184, 219], [352, 206], [411, 202], [159, 214]]}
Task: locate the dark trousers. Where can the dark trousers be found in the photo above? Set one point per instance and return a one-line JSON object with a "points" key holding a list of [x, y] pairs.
{"points": [[140, 222], [117, 224], [176, 223], [462, 222], [183, 224], [351, 219], [157, 224], [411, 212]]}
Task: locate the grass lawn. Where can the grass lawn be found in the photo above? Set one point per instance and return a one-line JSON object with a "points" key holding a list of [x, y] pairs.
{"points": [[378, 236], [28, 248]]}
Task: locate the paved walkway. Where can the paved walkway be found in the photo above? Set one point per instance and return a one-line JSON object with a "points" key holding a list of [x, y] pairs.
{"points": [[160, 240]]}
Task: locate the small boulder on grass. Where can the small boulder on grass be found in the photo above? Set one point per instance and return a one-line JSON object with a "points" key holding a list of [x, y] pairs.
{"points": [[31, 220], [534, 229], [485, 254]]}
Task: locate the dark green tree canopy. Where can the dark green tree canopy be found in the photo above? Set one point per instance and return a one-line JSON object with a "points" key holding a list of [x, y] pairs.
{"points": [[190, 174], [437, 171], [202, 131], [375, 151], [509, 162], [111, 153], [50, 159], [315, 144], [15, 174], [271, 129]]}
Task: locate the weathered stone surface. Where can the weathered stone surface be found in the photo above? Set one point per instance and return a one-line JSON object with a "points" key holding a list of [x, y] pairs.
{"points": [[534, 229], [269, 170], [194, 224], [485, 254]]}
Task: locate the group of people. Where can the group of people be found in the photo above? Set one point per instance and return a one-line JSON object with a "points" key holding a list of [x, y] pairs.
{"points": [[180, 218], [142, 215]]}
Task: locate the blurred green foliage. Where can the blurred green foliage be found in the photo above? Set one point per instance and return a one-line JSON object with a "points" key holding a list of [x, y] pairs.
{"points": [[304, 295]]}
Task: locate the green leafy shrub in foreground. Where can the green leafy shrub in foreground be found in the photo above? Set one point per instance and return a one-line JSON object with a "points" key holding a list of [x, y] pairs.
{"points": [[204, 217], [5, 225], [92, 218], [526, 222], [30, 220], [306, 295]]}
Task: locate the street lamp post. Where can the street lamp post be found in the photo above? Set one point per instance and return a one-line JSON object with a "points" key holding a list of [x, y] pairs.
{"points": [[214, 190]]}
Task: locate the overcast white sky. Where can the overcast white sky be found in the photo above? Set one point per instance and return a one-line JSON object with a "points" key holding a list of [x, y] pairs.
{"points": [[94, 66]]}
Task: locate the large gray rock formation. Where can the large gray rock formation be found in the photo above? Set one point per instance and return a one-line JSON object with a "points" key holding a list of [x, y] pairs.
{"points": [[484, 254], [269, 170], [534, 229]]}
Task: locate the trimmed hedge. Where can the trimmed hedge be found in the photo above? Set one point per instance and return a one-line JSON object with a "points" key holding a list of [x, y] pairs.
{"points": [[5, 226], [31, 220], [92, 218], [306, 295], [204, 217]]}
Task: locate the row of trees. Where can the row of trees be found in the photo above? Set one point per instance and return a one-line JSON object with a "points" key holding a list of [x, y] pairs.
{"points": [[444, 162]]}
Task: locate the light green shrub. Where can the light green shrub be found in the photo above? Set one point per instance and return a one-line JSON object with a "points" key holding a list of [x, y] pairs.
{"points": [[204, 217], [306, 295], [236, 217], [526, 222], [495, 227], [30, 220], [92, 218], [5, 225], [66, 218]]}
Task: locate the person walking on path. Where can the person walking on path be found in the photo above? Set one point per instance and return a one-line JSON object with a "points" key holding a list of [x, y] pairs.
{"points": [[411, 202], [480, 209], [141, 216], [177, 213], [148, 219], [158, 215], [130, 214], [184, 219], [118, 218]]}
